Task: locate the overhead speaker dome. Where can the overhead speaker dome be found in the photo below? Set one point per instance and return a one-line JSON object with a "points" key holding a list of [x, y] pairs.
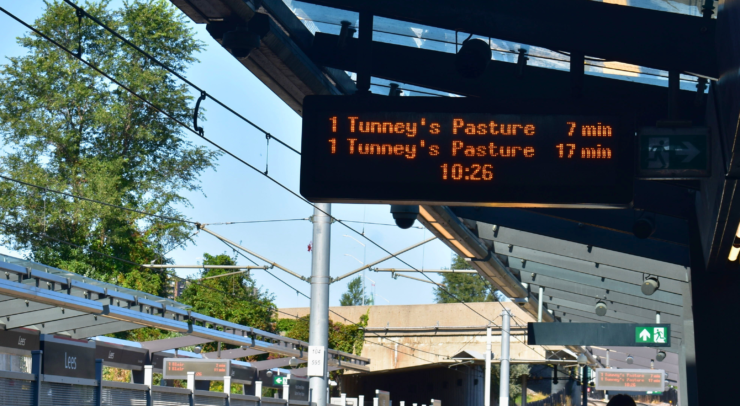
{"points": [[473, 58]]}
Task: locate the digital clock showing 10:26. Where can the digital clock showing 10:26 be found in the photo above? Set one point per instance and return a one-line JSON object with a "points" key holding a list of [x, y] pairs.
{"points": [[420, 150]]}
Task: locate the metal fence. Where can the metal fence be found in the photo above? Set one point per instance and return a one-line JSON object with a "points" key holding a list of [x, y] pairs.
{"points": [[22, 389]]}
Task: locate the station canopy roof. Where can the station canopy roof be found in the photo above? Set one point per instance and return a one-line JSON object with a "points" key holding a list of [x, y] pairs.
{"points": [[54, 301], [578, 257]]}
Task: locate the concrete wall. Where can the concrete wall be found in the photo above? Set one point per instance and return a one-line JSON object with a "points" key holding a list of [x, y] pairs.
{"points": [[434, 332]]}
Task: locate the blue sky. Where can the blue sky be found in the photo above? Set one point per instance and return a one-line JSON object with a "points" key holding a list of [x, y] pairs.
{"points": [[236, 193]]}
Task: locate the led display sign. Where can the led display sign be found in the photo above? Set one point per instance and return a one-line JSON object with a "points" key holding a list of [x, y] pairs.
{"points": [[464, 151], [630, 379], [204, 369]]}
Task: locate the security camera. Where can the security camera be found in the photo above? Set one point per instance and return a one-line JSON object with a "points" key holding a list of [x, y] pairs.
{"points": [[660, 356], [404, 215], [269, 374], [650, 285], [630, 359], [197, 349], [294, 362], [643, 228], [582, 359], [600, 309]]}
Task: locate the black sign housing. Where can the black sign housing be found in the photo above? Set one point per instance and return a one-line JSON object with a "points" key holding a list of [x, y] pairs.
{"points": [[463, 151], [67, 357], [602, 334], [120, 356]]}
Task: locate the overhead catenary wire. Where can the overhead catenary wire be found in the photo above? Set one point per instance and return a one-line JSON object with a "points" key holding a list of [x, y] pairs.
{"points": [[46, 189], [196, 282], [178, 75], [227, 152]]}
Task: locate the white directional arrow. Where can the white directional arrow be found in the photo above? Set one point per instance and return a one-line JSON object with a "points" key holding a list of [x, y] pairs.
{"points": [[645, 335], [690, 152]]}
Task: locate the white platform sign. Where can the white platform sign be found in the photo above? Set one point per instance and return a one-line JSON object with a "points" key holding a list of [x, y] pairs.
{"points": [[316, 360]]}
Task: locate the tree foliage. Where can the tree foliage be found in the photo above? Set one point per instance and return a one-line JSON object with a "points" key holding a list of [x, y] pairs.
{"points": [[65, 127], [235, 298], [467, 287], [342, 337], [354, 296]]}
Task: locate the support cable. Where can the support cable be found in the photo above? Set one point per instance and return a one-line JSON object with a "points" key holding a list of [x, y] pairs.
{"points": [[79, 10], [195, 282], [45, 189]]}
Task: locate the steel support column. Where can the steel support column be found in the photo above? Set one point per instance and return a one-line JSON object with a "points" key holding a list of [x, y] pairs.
{"points": [[319, 324], [505, 361]]}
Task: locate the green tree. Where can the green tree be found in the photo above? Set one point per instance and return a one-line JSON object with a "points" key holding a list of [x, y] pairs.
{"points": [[65, 127], [466, 287], [515, 380], [354, 296], [235, 298]]}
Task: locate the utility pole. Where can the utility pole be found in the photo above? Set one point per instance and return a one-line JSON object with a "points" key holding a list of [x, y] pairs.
{"points": [[503, 398], [319, 323], [487, 380]]}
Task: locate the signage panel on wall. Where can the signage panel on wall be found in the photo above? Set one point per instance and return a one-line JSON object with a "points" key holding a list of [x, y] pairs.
{"points": [[20, 339], [298, 389], [630, 379], [462, 151], [67, 357], [242, 374], [609, 334], [120, 356]]}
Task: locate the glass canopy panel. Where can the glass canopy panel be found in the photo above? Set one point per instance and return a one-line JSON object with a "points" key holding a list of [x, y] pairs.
{"points": [[328, 20], [77, 277]]}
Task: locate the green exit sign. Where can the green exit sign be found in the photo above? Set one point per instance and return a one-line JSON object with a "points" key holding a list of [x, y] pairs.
{"points": [[279, 380], [673, 153], [652, 335]]}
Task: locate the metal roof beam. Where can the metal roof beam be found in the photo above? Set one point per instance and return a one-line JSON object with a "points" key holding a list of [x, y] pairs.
{"points": [[585, 252], [643, 352], [16, 306], [103, 329], [549, 284], [40, 317], [517, 254], [88, 320], [401, 64], [550, 294], [616, 311], [233, 354], [609, 229], [656, 39], [172, 343], [610, 285]]}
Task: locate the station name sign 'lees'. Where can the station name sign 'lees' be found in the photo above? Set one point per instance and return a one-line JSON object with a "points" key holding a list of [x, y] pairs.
{"points": [[426, 150]]}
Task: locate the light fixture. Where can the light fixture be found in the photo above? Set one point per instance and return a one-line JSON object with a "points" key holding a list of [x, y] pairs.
{"points": [[630, 359], [446, 234], [650, 285], [643, 228], [660, 356], [735, 249], [600, 309], [473, 58], [464, 250], [424, 213]]}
